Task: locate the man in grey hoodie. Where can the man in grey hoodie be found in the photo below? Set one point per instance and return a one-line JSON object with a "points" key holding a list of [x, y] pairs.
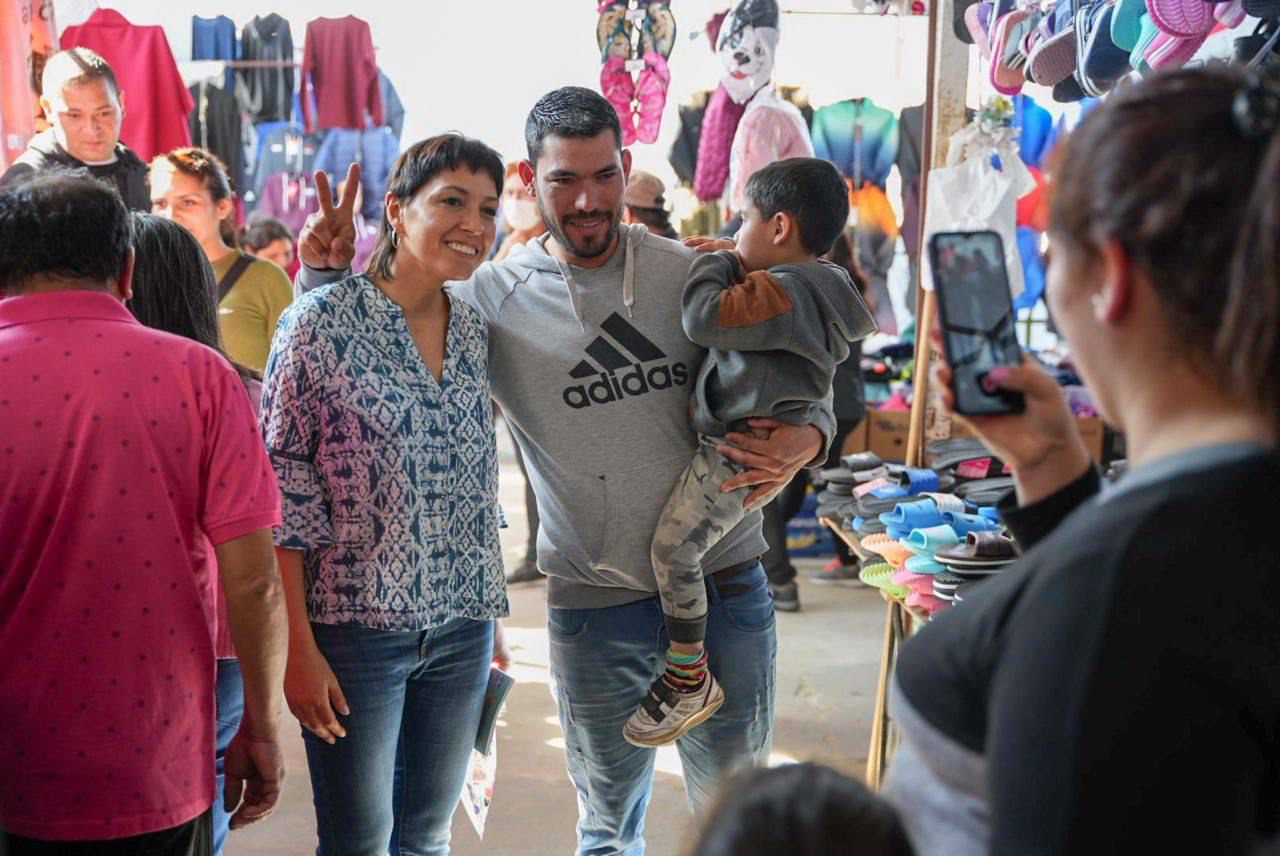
{"points": [[591, 365]]}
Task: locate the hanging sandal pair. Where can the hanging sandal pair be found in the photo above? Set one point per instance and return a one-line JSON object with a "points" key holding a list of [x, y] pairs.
{"points": [[639, 100]]}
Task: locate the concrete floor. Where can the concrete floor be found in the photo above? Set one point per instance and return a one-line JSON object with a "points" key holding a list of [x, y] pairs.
{"points": [[827, 660]]}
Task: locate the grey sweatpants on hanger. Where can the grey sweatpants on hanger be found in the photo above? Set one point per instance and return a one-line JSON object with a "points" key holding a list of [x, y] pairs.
{"points": [[697, 515]]}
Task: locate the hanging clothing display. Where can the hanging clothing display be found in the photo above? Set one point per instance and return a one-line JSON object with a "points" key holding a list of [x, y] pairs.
{"points": [[127, 172], [909, 160], [859, 137], [715, 143], [339, 65], [215, 38], [375, 150], [216, 127], [771, 130], [1036, 130], [282, 147], [155, 120], [17, 101], [683, 156], [392, 108], [289, 198], [268, 39]]}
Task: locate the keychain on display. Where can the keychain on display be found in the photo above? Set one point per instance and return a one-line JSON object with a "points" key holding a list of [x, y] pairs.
{"points": [[636, 38]]}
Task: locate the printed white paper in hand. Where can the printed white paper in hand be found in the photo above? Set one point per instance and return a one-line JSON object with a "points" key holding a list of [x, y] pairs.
{"points": [[478, 793]]}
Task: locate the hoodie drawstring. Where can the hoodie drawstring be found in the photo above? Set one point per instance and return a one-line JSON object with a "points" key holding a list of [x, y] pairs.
{"points": [[628, 278]]}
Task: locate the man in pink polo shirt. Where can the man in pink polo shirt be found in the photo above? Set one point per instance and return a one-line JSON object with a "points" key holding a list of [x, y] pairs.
{"points": [[129, 459]]}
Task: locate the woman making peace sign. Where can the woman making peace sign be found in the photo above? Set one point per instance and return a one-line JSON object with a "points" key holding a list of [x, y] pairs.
{"points": [[377, 417]]}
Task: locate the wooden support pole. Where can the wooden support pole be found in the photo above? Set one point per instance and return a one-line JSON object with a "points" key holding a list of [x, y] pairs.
{"points": [[948, 79]]}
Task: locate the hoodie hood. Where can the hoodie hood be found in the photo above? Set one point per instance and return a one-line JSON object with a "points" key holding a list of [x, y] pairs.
{"points": [[831, 287], [533, 256]]}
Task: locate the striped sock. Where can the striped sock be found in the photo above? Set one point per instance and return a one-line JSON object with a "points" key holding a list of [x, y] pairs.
{"points": [[686, 672]]}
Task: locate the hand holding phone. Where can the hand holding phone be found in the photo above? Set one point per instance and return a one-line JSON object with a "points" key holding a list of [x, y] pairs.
{"points": [[977, 318]]}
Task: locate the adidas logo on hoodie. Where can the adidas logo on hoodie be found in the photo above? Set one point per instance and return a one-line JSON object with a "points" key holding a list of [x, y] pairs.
{"points": [[621, 371]]}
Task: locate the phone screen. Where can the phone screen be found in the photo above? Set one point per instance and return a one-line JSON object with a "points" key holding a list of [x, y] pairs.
{"points": [[977, 316]]}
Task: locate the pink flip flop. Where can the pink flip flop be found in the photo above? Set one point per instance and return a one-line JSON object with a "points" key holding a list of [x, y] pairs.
{"points": [[651, 95], [617, 86], [1006, 78], [973, 21], [1230, 15], [1183, 19], [1172, 52]]}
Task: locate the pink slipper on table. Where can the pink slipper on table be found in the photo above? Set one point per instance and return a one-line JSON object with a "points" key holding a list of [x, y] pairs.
{"points": [[1183, 19]]}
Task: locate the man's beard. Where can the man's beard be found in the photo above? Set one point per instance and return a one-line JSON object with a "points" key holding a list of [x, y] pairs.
{"points": [[580, 251]]}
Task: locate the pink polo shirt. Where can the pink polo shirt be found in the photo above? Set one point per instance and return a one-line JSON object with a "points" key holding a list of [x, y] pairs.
{"points": [[124, 454]]}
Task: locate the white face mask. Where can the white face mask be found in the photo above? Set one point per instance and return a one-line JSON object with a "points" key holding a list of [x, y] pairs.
{"points": [[521, 214]]}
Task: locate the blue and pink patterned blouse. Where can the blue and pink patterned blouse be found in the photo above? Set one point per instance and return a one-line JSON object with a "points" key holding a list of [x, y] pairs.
{"points": [[389, 478]]}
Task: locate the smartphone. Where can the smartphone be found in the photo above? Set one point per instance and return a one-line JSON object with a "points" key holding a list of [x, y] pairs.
{"points": [[976, 312]]}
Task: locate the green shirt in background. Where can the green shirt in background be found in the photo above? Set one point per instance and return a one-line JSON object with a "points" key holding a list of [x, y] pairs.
{"points": [[249, 312]]}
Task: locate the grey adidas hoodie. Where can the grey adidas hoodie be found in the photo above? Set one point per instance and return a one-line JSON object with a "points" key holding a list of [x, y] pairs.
{"points": [[594, 373], [775, 339]]}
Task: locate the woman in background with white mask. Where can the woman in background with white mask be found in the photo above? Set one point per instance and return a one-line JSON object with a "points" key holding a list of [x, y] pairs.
{"points": [[519, 213]]}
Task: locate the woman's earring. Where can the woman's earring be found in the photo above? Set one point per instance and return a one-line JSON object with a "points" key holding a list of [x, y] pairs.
{"points": [[395, 238], [1099, 304]]}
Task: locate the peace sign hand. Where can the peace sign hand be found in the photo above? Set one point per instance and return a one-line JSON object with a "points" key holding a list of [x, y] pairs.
{"points": [[328, 239]]}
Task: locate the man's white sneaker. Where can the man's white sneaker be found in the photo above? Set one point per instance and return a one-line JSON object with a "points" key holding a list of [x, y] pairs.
{"points": [[667, 714]]}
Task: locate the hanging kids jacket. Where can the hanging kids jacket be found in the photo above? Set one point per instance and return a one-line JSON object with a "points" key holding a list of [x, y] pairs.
{"points": [[268, 39], [215, 38], [715, 142], [860, 138], [771, 130], [158, 102], [338, 63]]}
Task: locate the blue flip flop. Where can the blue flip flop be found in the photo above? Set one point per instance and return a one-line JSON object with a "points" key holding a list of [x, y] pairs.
{"points": [[920, 514], [1102, 62], [926, 542], [963, 524], [924, 565]]}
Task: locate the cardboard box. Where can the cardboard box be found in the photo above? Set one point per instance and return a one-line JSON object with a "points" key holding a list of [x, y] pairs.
{"points": [[887, 434], [856, 441], [1091, 430]]}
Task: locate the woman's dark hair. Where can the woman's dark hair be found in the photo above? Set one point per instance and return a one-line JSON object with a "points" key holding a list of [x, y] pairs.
{"points": [[262, 231], [655, 218], [205, 167], [841, 253], [174, 288], [64, 224], [415, 167], [799, 810], [1192, 194]]}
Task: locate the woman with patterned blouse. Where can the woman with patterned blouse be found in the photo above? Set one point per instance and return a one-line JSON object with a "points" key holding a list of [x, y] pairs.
{"points": [[377, 416]]}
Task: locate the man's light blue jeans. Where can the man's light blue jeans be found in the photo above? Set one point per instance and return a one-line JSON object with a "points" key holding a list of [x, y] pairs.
{"points": [[602, 663]]}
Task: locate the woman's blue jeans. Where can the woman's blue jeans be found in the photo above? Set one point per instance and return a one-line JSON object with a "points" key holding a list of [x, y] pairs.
{"points": [[415, 700], [228, 711]]}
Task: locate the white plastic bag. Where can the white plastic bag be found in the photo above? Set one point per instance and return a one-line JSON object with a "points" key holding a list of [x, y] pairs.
{"points": [[970, 194]]}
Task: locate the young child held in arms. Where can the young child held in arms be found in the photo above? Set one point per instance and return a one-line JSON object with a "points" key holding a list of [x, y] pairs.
{"points": [[776, 321]]}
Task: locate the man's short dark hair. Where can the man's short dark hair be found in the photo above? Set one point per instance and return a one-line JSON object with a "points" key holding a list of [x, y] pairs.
{"points": [[76, 66], [572, 112], [61, 223], [812, 191]]}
